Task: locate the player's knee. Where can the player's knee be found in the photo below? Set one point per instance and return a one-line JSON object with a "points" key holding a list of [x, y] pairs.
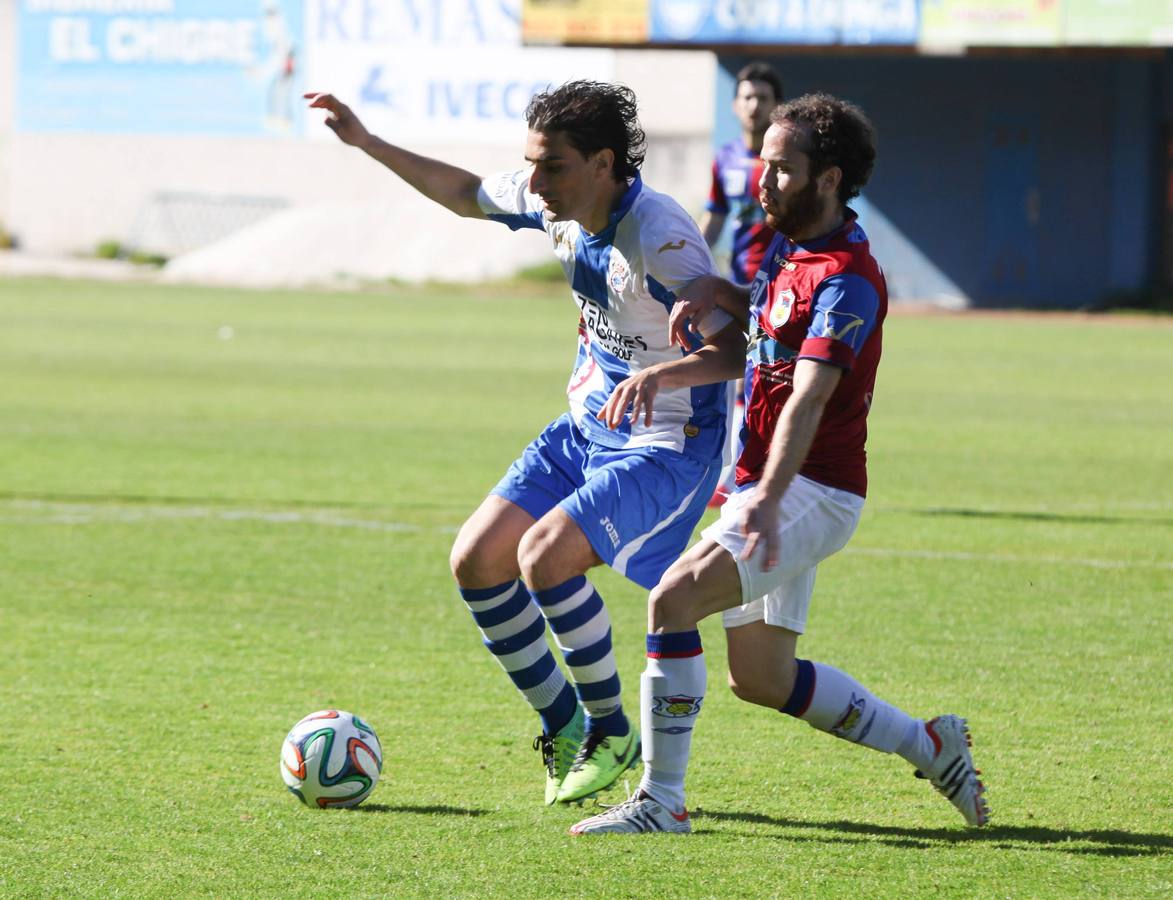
{"points": [[462, 560], [746, 687], [670, 605], [532, 555], [760, 683], [475, 563]]}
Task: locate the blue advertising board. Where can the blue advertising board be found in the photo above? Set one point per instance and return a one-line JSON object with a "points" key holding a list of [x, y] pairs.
{"points": [[160, 66], [774, 22]]}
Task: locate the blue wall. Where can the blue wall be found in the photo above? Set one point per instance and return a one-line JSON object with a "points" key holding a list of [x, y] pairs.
{"points": [[1005, 181]]}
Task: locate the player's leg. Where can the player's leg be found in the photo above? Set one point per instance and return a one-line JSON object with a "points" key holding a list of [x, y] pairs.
{"points": [[672, 689], [484, 561], [763, 669], [554, 557], [709, 578], [762, 637], [637, 511]]}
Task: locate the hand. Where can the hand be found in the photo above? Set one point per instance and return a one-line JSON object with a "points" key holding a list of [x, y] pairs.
{"points": [[759, 525], [638, 392], [682, 321], [342, 120]]}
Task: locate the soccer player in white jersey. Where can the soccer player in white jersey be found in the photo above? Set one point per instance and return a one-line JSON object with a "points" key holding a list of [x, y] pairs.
{"points": [[624, 476]]}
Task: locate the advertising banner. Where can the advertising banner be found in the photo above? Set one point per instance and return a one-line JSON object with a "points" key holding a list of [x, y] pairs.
{"points": [[1118, 22], [995, 23], [435, 69], [162, 66], [784, 21], [584, 21]]}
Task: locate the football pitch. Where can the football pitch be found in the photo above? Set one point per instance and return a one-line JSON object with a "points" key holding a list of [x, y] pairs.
{"points": [[222, 510]]}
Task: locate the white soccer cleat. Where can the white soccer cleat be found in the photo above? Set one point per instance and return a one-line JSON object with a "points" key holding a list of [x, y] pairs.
{"points": [[952, 772], [638, 814]]}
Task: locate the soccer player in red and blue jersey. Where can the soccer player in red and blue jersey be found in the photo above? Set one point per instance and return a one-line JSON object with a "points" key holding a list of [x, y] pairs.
{"points": [[815, 314], [737, 170]]}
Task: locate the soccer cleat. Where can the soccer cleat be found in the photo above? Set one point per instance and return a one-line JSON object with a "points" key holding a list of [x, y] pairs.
{"points": [[952, 772], [559, 753], [638, 814], [601, 759]]}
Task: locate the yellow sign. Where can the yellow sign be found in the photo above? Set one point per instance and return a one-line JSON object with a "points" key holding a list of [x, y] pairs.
{"points": [[584, 21], [991, 23], [1134, 23]]}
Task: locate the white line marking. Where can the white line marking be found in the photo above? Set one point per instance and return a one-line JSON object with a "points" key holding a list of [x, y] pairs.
{"points": [[74, 513], [90, 513]]}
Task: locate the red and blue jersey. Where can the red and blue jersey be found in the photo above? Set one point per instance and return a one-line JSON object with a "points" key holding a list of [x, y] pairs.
{"points": [[823, 299], [734, 193]]}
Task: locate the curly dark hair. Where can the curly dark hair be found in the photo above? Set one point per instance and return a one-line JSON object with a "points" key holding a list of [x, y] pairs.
{"points": [[593, 116], [837, 133]]}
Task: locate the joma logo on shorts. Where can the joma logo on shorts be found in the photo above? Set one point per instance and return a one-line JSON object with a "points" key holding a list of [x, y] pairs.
{"points": [[610, 529]]}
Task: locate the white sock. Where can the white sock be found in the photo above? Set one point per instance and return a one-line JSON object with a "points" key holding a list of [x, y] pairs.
{"points": [[834, 702], [672, 689]]}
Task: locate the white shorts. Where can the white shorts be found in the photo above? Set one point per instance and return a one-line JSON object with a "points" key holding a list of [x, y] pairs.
{"points": [[815, 521]]}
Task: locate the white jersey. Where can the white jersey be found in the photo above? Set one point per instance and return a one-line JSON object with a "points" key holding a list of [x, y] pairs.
{"points": [[624, 281]]}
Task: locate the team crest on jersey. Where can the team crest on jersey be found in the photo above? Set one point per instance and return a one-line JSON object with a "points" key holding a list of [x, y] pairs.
{"points": [[780, 311], [617, 277], [850, 717], [677, 706]]}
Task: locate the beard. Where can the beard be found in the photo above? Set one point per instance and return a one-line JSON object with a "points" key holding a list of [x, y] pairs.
{"points": [[802, 211]]}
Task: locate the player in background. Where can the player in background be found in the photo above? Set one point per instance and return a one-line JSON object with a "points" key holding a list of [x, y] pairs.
{"points": [[737, 169], [621, 479], [815, 314]]}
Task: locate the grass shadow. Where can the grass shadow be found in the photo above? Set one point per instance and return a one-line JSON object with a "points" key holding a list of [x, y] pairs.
{"points": [[1036, 516], [1110, 842]]}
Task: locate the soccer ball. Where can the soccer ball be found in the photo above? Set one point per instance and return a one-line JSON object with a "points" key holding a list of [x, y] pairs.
{"points": [[331, 758]]}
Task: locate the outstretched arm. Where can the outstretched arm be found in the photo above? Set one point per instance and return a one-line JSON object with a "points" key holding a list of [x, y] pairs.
{"points": [[722, 358], [448, 185]]}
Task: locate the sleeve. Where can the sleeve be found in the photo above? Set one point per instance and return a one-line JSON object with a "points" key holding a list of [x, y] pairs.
{"points": [[717, 202], [504, 197], [846, 307], [675, 256]]}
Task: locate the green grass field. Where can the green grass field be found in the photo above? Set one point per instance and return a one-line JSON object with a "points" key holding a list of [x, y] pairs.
{"points": [[205, 536]]}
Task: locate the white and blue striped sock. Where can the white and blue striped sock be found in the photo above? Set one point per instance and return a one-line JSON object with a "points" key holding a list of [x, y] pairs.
{"points": [[515, 633], [582, 630]]}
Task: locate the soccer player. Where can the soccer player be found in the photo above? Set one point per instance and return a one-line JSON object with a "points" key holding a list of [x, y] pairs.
{"points": [[623, 477], [815, 313], [737, 169]]}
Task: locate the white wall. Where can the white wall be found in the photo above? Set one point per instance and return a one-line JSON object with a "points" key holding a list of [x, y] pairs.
{"points": [[63, 193], [7, 113]]}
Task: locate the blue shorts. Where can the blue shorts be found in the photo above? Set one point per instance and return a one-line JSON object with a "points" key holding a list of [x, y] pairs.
{"points": [[637, 507]]}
